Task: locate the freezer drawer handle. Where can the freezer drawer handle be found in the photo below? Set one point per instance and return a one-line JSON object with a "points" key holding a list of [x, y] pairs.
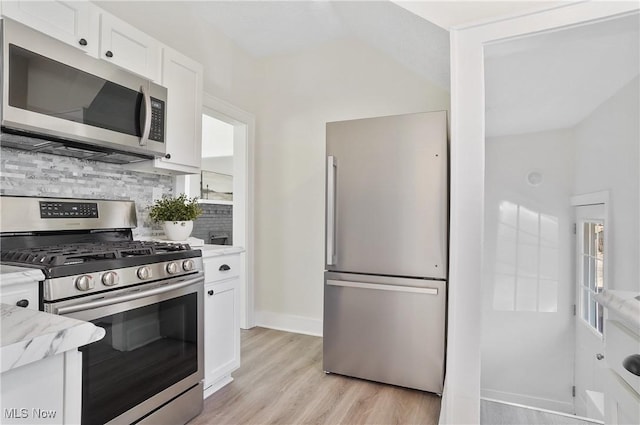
{"points": [[394, 288]]}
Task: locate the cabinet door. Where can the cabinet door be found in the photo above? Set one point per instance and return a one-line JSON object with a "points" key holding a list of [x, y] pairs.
{"points": [[129, 48], [222, 330], [72, 22], [183, 79]]}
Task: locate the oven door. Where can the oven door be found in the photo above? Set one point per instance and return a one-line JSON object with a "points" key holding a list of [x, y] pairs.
{"points": [[152, 351]]}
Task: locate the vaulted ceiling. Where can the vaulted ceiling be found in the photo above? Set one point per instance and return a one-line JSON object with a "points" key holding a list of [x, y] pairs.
{"points": [[546, 81], [556, 79], [267, 28]]}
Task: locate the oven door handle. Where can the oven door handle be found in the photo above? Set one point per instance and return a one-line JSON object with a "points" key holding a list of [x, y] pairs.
{"points": [[124, 298]]}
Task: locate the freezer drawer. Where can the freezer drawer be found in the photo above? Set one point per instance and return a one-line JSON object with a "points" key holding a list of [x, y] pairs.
{"points": [[385, 329]]}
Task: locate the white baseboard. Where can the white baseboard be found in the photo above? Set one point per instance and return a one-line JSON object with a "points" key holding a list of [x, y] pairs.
{"points": [[289, 323], [526, 400], [217, 385]]}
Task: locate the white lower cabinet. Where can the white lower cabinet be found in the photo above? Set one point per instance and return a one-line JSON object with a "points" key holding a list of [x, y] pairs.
{"points": [[48, 391], [222, 324]]}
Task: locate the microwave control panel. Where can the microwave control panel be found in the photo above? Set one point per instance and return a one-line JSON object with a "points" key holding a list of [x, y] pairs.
{"points": [[157, 120]]}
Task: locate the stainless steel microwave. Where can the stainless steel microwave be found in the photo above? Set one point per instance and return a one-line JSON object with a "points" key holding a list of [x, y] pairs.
{"points": [[57, 99]]}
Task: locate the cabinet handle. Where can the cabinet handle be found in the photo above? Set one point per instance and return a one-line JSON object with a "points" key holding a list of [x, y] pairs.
{"points": [[599, 356], [210, 292], [632, 364], [82, 42], [109, 54], [23, 303], [168, 156], [224, 268]]}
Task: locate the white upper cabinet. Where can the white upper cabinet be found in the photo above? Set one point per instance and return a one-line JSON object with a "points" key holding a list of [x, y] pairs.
{"points": [[183, 79], [104, 36], [128, 47], [72, 22]]}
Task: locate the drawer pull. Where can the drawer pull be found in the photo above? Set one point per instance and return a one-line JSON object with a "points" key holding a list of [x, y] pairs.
{"points": [[23, 303], [224, 268], [210, 292], [632, 364]]}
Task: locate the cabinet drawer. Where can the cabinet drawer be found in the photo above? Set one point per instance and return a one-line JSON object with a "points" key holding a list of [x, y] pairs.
{"points": [[219, 268], [28, 294], [621, 342]]}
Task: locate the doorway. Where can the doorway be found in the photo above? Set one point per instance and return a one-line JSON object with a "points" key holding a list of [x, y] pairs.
{"points": [[551, 133], [241, 126]]}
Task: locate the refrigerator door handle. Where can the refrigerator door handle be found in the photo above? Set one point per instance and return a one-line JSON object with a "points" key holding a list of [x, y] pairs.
{"points": [[331, 210], [394, 288]]}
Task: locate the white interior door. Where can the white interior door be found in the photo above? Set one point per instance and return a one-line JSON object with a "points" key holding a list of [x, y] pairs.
{"points": [[591, 279]]}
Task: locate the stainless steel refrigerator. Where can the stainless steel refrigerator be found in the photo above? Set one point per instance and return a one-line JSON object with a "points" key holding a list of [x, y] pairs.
{"points": [[386, 249]]}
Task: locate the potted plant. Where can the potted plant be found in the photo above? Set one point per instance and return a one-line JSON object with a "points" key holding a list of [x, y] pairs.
{"points": [[176, 213]]}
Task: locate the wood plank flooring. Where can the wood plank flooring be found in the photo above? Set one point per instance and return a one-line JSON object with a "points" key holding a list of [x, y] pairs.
{"points": [[493, 413], [281, 382]]}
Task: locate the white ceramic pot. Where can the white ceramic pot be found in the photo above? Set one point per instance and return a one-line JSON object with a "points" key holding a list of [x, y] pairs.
{"points": [[177, 230]]}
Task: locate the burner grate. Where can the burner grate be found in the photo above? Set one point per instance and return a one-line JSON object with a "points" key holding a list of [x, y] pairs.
{"points": [[61, 255]]}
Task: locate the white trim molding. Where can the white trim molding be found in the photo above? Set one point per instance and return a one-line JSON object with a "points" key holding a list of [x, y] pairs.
{"points": [[593, 198], [243, 226], [289, 323]]}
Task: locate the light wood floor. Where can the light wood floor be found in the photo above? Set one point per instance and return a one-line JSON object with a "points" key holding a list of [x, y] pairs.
{"points": [[281, 382], [492, 413]]}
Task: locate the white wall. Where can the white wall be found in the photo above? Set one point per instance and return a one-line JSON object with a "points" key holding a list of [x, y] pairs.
{"points": [[218, 164], [527, 289], [607, 158], [298, 94]]}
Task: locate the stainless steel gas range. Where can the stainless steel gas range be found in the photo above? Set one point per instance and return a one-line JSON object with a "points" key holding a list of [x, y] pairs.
{"points": [[148, 296]]}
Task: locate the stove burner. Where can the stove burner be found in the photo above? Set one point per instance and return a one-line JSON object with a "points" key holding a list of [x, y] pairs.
{"points": [[69, 254]]}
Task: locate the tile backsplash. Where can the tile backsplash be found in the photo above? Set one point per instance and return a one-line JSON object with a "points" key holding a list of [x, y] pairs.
{"points": [[39, 174], [216, 221]]}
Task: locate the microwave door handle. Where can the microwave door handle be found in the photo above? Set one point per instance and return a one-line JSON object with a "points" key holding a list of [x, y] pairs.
{"points": [[147, 116]]}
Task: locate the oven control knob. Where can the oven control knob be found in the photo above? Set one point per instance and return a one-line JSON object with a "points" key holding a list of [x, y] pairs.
{"points": [[144, 272], [188, 265], [110, 279], [172, 268], [84, 282]]}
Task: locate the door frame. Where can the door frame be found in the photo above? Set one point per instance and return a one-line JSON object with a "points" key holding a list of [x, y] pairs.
{"points": [[580, 401], [243, 123], [461, 398]]}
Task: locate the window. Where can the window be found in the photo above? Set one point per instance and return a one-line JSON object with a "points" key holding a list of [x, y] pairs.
{"points": [[591, 272]]}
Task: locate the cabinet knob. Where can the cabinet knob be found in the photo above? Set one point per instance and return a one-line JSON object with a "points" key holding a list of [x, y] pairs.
{"points": [[210, 292], [82, 42], [224, 268], [109, 54], [168, 156], [632, 364], [23, 303], [599, 356]]}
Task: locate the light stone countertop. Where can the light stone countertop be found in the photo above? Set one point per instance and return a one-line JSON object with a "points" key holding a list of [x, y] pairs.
{"points": [[29, 335], [11, 275], [209, 251], [623, 305]]}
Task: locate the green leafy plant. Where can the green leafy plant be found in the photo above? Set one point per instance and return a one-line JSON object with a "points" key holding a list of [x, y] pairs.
{"points": [[172, 208]]}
